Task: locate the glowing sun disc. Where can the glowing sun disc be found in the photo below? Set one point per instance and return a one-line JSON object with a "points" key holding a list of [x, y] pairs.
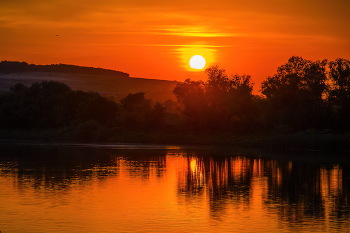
{"points": [[197, 62]]}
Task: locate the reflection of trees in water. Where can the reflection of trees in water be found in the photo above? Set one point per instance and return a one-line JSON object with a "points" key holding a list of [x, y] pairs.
{"points": [[309, 190], [229, 179], [143, 164], [193, 184], [296, 190], [223, 180], [55, 168]]}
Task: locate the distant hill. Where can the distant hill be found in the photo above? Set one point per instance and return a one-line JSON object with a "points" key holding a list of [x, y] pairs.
{"points": [[7, 67], [114, 84]]}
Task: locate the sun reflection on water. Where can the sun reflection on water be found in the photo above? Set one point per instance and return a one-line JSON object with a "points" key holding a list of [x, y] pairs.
{"points": [[159, 190]]}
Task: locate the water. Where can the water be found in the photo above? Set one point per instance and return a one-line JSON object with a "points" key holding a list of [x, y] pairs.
{"points": [[132, 188]]}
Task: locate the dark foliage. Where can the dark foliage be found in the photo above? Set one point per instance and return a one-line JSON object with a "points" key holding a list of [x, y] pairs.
{"points": [[84, 106], [52, 105], [192, 99], [220, 103], [37, 106], [138, 112], [18, 67], [294, 95], [303, 95], [339, 95]]}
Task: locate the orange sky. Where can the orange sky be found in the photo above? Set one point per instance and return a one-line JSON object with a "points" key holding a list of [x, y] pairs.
{"points": [[156, 38]]}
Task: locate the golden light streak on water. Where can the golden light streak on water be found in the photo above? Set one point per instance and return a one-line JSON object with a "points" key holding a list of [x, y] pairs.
{"points": [[171, 191]]}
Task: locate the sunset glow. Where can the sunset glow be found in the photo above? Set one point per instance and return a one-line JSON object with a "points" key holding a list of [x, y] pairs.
{"points": [[156, 39], [174, 116]]}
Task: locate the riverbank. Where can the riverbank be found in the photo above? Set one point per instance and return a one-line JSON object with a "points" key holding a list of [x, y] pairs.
{"points": [[88, 133]]}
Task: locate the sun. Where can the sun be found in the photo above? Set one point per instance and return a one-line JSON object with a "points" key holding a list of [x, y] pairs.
{"points": [[197, 62]]}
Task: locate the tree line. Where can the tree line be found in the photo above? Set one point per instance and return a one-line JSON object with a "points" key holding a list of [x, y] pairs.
{"points": [[52, 105], [301, 95], [7, 67]]}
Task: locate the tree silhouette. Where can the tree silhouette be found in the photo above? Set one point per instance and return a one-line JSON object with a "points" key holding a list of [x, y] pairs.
{"points": [[193, 101], [212, 104], [83, 106], [340, 94], [52, 105], [138, 112], [294, 93]]}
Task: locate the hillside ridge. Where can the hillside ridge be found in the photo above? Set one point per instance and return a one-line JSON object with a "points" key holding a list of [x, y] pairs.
{"points": [[7, 67], [103, 81]]}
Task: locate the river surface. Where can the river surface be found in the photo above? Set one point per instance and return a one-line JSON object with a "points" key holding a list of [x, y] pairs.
{"points": [[147, 188]]}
